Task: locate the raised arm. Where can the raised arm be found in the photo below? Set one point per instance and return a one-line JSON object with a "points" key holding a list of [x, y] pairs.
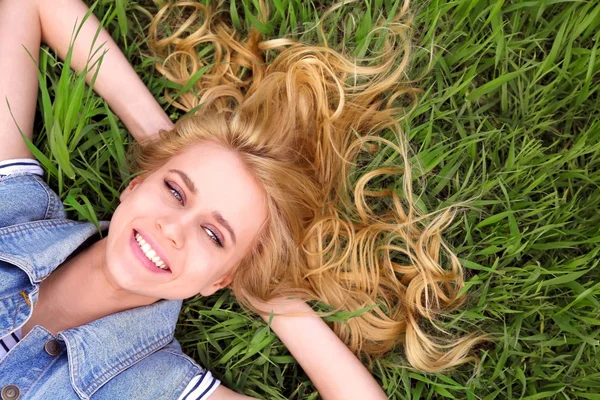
{"points": [[18, 76], [116, 82], [23, 23], [330, 365]]}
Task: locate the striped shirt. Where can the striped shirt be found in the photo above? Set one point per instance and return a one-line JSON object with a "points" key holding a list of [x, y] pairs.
{"points": [[20, 165], [199, 388], [8, 342]]}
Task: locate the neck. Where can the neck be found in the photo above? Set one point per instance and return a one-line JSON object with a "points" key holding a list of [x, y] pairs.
{"points": [[79, 292]]}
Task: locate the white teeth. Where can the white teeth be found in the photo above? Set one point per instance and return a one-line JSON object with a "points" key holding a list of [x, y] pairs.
{"points": [[149, 252]]}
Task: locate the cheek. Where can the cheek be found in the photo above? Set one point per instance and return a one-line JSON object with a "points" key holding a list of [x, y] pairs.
{"points": [[201, 268], [195, 268], [138, 204]]}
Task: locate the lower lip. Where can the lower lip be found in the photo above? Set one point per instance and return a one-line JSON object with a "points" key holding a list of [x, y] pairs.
{"points": [[139, 254]]}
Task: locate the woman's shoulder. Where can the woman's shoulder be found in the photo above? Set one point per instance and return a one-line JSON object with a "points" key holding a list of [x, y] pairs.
{"points": [[24, 196], [167, 373]]}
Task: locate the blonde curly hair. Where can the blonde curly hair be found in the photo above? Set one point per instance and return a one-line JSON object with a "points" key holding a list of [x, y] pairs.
{"points": [[301, 116]]}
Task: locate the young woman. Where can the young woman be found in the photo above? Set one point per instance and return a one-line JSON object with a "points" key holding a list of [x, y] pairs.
{"points": [[251, 193]]}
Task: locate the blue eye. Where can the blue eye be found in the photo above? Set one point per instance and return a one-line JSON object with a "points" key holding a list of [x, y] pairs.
{"points": [[177, 195], [214, 237], [174, 192]]}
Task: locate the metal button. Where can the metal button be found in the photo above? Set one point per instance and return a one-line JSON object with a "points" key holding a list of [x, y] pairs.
{"points": [[11, 392], [52, 347]]}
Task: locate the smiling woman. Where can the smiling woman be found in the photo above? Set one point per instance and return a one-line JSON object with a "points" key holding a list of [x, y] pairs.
{"points": [[301, 117], [250, 192], [179, 214]]}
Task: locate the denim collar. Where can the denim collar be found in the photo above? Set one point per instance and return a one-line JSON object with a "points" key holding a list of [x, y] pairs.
{"points": [[100, 350], [39, 247]]}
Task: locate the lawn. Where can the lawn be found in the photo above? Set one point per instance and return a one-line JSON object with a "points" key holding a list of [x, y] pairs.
{"points": [[508, 120]]}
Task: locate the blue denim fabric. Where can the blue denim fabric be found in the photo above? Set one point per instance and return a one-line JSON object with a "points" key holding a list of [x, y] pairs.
{"points": [[128, 355]]}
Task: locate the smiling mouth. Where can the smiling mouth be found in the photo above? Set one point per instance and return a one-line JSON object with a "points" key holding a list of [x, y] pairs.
{"points": [[150, 254]]}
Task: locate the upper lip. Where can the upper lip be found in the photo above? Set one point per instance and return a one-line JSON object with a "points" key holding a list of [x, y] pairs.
{"points": [[155, 247]]}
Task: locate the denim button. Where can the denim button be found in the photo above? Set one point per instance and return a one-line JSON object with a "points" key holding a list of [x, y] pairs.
{"points": [[52, 347], [11, 392]]}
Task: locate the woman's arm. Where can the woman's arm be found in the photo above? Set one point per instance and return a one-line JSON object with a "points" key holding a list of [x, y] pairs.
{"points": [[23, 23], [330, 365], [116, 82], [222, 393], [18, 76]]}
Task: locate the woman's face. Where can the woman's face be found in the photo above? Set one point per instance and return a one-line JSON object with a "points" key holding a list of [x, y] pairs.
{"points": [[182, 229]]}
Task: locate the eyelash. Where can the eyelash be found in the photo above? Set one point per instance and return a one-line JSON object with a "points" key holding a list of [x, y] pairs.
{"points": [[175, 193], [213, 237]]}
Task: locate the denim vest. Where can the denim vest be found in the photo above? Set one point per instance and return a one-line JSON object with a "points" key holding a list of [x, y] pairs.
{"points": [[128, 355]]}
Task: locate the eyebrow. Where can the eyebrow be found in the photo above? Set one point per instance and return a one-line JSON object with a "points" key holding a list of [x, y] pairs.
{"points": [[224, 222], [186, 179], [217, 215]]}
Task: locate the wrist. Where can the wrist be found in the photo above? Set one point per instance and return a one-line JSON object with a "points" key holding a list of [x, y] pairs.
{"points": [[141, 114]]}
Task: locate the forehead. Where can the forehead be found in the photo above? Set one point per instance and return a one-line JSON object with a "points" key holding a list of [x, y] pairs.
{"points": [[207, 156], [223, 184]]}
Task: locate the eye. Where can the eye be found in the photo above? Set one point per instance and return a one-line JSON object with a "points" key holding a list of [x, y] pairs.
{"points": [[174, 192], [213, 236]]}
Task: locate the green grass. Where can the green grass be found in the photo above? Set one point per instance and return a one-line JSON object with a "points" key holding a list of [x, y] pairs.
{"points": [[510, 118]]}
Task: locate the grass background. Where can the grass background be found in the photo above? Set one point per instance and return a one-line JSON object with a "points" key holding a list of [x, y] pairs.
{"points": [[510, 117]]}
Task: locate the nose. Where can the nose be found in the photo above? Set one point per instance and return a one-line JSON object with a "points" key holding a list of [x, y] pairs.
{"points": [[171, 229]]}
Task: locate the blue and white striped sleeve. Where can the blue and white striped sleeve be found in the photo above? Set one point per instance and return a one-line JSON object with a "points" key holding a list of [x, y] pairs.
{"points": [[200, 387], [21, 165]]}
